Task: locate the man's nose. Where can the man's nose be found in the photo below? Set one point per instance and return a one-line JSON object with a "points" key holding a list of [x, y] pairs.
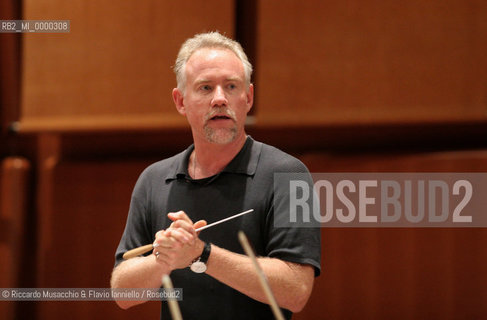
{"points": [[219, 97]]}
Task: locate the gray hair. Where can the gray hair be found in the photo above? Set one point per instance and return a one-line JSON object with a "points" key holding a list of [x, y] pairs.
{"points": [[208, 40]]}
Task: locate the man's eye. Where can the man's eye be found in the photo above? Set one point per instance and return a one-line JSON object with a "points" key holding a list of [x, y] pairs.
{"points": [[206, 88], [232, 86]]}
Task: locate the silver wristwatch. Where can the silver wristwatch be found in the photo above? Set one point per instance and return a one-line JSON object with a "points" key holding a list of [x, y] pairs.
{"points": [[199, 265]]}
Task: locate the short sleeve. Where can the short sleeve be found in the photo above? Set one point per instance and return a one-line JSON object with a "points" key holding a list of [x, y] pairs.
{"points": [[137, 230], [293, 242]]}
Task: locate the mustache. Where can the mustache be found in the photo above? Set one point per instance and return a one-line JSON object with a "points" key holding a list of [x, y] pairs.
{"points": [[223, 111]]}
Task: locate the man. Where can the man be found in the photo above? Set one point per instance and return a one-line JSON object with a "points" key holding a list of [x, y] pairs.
{"points": [[224, 172]]}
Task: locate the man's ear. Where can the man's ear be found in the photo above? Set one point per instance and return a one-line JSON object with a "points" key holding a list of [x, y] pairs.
{"points": [[250, 97], [178, 98]]}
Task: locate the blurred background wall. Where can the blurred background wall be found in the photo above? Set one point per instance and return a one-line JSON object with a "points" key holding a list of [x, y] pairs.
{"points": [[346, 86]]}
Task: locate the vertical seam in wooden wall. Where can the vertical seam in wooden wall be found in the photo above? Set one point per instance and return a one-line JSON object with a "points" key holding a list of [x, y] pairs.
{"points": [[246, 33]]}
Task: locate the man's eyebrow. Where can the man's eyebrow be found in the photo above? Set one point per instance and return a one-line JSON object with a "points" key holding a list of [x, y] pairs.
{"points": [[229, 79], [200, 81], [234, 79]]}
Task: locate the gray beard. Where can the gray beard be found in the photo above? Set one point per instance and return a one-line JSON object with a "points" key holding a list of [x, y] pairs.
{"points": [[220, 136]]}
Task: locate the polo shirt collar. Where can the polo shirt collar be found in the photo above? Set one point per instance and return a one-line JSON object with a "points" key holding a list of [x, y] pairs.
{"points": [[245, 162]]}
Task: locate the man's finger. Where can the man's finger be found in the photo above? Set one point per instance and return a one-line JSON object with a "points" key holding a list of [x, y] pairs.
{"points": [[180, 235], [180, 215], [199, 224]]}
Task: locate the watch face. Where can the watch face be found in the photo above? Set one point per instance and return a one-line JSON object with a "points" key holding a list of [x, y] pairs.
{"points": [[198, 267]]}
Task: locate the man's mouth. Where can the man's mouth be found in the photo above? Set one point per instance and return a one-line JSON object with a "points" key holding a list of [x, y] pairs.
{"points": [[220, 117]]}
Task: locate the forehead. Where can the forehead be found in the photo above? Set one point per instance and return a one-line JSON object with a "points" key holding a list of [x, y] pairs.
{"points": [[214, 60]]}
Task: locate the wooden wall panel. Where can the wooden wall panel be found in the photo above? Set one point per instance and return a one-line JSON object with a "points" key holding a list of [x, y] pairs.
{"points": [[405, 273], [9, 69], [370, 62], [14, 204], [113, 69]]}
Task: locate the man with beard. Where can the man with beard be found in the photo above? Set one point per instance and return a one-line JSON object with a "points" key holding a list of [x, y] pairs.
{"points": [[224, 172]]}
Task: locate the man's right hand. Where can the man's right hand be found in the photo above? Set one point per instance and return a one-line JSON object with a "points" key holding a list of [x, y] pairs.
{"points": [[178, 245]]}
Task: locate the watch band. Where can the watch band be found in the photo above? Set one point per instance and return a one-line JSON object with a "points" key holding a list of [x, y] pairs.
{"points": [[206, 253], [199, 264]]}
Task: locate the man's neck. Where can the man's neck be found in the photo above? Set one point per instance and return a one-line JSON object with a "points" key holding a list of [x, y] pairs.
{"points": [[209, 159]]}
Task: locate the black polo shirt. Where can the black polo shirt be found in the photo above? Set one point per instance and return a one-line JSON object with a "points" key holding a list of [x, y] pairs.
{"points": [[246, 183]]}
